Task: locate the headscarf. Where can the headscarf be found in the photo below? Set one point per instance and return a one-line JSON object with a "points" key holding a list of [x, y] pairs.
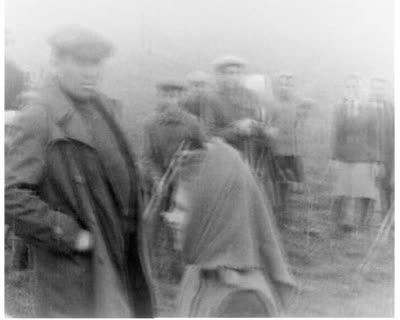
{"points": [[230, 223]]}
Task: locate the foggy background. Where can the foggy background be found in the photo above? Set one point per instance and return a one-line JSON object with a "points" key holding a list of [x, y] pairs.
{"points": [[320, 41]]}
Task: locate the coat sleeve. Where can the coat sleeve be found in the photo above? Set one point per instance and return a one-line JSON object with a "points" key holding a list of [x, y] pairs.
{"points": [[25, 212]]}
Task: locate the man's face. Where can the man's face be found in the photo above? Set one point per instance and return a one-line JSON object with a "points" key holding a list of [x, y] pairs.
{"points": [[230, 76], [80, 78], [352, 89], [285, 86], [198, 86], [170, 97]]}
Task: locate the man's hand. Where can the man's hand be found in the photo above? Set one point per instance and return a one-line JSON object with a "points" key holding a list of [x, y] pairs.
{"points": [[84, 241]]}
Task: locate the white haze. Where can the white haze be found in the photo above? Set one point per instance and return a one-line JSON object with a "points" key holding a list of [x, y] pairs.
{"points": [[320, 41]]}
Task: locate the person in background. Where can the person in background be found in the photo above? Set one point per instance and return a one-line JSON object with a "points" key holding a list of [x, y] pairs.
{"points": [[233, 112], [170, 93], [234, 265], [356, 154], [237, 107], [384, 109], [198, 82], [285, 114], [42, 196]]}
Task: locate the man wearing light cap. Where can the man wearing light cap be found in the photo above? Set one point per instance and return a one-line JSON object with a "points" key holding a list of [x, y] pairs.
{"points": [[69, 173], [228, 105], [232, 111], [238, 105]]}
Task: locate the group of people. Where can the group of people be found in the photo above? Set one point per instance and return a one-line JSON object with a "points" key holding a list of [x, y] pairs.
{"points": [[363, 154], [217, 165]]}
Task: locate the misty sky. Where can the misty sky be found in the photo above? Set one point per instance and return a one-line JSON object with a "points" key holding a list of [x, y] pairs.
{"points": [[319, 40]]}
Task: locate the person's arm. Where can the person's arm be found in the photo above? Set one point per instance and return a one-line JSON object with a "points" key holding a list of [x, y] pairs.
{"points": [[26, 213]]}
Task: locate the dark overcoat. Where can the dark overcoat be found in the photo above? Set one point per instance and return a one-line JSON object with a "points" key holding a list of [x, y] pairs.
{"points": [[42, 205], [358, 137]]}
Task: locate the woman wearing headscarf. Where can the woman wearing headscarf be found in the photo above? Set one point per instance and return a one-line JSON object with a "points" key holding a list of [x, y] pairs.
{"points": [[234, 263], [356, 155]]}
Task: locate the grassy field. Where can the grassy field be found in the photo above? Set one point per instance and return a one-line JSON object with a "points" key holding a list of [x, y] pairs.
{"points": [[325, 267]]}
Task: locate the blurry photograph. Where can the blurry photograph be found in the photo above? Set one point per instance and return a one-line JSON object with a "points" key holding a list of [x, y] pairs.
{"points": [[213, 158]]}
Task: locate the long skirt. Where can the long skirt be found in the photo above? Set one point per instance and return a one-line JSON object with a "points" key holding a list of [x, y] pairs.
{"points": [[356, 180]]}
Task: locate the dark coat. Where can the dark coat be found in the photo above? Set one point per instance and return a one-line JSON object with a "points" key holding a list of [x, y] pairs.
{"points": [[358, 138], [42, 207], [286, 115]]}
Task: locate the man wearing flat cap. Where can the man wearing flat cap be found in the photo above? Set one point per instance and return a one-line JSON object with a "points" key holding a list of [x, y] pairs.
{"points": [[170, 93], [72, 189]]}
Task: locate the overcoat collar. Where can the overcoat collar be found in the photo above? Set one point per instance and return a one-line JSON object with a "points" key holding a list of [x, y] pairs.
{"points": [[64, 113]]}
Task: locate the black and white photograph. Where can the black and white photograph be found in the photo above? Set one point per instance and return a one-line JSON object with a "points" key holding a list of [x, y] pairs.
{"points": [[199, 158]]}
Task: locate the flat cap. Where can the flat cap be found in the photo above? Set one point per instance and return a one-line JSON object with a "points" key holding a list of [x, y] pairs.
{"points": [[80, 43], [198, 77], [171, 85], [225, 61]]}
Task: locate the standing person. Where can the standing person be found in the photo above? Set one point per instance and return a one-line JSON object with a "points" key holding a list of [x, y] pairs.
{"points": [[163, 134], [228, 106], [238, 107], [170, 93], [234, 262], [69, 174], [233, 112], [357, 158], [285, 114], [198, 82], [384, 110]]}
